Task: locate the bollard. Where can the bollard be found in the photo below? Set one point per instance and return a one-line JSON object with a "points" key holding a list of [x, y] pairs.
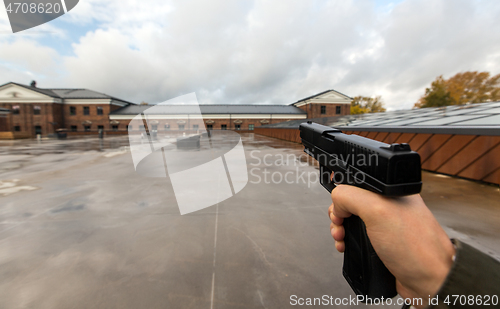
{"points": [[101, 134], [39, 137]]}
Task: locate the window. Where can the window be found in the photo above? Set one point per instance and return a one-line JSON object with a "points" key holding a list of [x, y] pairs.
{"points": [[17, 128], [99, 110], [237, 126], [72, 110], [129, 127], [38, 130], [74, 128], [36, 110], [250, 127], [86, 110], [223, 126], [210, 126], [154, 127], [142, 127], [100, 128], [115, 128], [181, 127], [166, 127], [323, 109], [15, 110], [338, 110], [195, 127], [87, 128]]}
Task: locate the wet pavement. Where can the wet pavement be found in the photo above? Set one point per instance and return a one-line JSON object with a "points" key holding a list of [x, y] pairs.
{"points": [[79, 228]]}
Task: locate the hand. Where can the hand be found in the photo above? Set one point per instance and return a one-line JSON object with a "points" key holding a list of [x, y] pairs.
{"points": [[403, 232]]}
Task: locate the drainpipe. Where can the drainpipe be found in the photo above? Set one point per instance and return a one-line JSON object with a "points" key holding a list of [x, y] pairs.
{"points": [[63, 120]]}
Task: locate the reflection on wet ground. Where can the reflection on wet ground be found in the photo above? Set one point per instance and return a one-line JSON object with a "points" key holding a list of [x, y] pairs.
{"points": [[55, 146]]}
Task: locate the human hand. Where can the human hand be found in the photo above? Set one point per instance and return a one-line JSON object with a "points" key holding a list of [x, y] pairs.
{"points": [[403, 232]]}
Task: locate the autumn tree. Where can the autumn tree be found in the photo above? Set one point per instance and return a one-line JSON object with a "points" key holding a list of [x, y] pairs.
{"points": [[363, 105], [463, 88], [437, 95]]}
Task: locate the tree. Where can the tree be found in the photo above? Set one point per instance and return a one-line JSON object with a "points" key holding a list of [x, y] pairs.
{"points": [[463, 88], [436, 95], [363, 105]]}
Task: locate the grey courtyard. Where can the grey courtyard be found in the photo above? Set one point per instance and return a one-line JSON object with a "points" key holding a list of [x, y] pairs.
{"points": [[79, 228]]}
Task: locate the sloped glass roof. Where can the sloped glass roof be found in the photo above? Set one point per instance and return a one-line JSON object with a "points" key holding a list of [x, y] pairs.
{"points": [[455, 116], [486, 121]]}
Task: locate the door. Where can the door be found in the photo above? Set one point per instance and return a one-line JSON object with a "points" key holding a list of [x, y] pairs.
{"points": [[38, 130]]}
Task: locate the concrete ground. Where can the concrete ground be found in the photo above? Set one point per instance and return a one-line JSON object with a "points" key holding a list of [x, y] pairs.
{"points": [[79, 228]]}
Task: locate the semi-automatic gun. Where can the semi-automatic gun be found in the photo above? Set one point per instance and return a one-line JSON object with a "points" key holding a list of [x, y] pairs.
{"points": [[390, 170]]}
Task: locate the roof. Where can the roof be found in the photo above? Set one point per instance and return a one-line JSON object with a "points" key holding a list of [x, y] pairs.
{"points": [[69, 93], [482, 114], [318, 94], [80, 94], [169, 109], [454, 118], [48, 92]]}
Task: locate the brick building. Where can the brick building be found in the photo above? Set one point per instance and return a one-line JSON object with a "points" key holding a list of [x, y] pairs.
{"points": [[237, 117], [325, 104], [42, 111], [225, 117]]}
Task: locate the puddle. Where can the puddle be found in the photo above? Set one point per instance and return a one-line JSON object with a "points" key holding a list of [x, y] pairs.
{"points": [[32, 147], [69, 208], [8, 187], [111, 154]]}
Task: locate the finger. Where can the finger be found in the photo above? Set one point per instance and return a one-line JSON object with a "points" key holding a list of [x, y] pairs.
{"points": [[338, 233], [350, 200], [336, 220], [333, 218], [340, 246]]}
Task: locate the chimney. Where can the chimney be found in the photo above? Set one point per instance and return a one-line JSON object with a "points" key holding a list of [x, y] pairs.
{"points": [[33, 84]]}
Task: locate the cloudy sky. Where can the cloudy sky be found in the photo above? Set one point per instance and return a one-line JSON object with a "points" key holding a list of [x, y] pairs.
{"points": [[255, 51]]}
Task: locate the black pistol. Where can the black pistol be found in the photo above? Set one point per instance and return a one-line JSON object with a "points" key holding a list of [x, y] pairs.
{"points": [[390, 170]]}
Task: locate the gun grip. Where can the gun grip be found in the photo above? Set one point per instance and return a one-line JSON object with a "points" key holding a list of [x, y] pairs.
{"points": [[363, 269]]}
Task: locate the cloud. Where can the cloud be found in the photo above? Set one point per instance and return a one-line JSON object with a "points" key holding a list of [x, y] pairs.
{"points": [[256, 51], [27, 53]]}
